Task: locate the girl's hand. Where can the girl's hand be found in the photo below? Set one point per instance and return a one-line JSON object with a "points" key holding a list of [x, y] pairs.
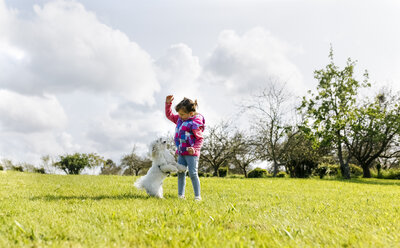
{"points": [[191, 150], [169, 99]]}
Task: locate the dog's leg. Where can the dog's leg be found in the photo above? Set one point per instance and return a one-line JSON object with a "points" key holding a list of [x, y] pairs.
{"points": [[181, 168], [160, 192], [168, 168]]}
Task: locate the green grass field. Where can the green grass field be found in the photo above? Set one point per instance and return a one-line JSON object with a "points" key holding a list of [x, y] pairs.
{"points": [[107, 211]]}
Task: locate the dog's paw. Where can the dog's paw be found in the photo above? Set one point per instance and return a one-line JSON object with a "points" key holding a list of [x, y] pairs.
{"points": [[167, 168], [181, 168]]}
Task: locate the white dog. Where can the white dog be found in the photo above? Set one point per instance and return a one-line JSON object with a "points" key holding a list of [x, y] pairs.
{"points": [[163, 162]]}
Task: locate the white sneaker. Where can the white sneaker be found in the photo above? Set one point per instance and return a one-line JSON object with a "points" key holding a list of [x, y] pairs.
{"points": [[181, 196], [197, 198]]}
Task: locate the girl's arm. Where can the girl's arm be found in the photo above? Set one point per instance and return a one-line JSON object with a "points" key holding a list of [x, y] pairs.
{"points": [[169, 114], [198, 134]]}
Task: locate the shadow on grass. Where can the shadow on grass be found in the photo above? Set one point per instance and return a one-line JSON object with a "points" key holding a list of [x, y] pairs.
{"points": [[374, 181], [93, 198]]}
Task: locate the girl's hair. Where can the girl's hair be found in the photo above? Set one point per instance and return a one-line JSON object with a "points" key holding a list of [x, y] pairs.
{"points": [[187, 105]]}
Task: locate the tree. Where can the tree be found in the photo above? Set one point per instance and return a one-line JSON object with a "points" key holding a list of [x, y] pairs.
{"points": [[302, 158], [133, 164], [244, 152], [375, 130], [217, 148], [273, 123], [75, 163], [110, 168], [328, 112], [48, 164]]}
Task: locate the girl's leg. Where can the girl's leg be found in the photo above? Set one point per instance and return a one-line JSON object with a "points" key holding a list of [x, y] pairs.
{"points": [[192, 162], [181, 177]]}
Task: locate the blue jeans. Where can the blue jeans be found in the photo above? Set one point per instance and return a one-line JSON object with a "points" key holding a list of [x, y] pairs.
{"points": [[192, 163]]}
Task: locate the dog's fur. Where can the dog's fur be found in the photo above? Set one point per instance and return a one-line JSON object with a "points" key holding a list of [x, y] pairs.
{"points": [[163, 162]]}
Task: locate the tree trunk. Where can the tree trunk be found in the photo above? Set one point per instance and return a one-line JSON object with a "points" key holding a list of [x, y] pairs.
{"points": [[275, 169], [366, 171], [344, 167], [215, 174]]}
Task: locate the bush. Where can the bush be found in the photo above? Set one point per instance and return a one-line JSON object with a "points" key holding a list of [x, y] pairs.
{"points": [[222, 171], [325, 169], [281, 174], [258, 173], [355, 170], [391, 174], [39, 170], [17, 168], [1, 167]]}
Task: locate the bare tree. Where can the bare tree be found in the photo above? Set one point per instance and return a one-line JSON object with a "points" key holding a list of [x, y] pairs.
{"points": [[110, 168], [244, 152], [133, 164], [216, 151], [48, 164], [273, 122]]}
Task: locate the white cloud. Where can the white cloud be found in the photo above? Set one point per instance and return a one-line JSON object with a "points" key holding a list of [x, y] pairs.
{"points": [[30, 147], [178, 71], [243, 64], [124, 126], [67, 48], [29, 114], [240, 66], [64, 51]]}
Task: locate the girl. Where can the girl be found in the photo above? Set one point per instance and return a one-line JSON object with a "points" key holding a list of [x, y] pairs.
{"points": [[188, 140]]}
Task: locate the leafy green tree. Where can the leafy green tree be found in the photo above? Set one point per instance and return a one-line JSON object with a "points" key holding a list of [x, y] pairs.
{"points": [[375, 130], [302, 159], [75, 163], [328, 112]]}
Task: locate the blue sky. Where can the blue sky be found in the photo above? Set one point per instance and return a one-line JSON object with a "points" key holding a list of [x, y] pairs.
{"points": [[91, 76]]}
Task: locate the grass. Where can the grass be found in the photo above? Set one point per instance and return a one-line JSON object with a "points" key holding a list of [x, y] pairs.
{"points": [[107, 211]]}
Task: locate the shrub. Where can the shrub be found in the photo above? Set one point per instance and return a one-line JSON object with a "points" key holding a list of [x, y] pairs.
{"points": [[1, 167], [39, 170], [355, 170], [325, 169], [281, 174], [17, 168], [257, 173], [393, 174], [222, 171]]}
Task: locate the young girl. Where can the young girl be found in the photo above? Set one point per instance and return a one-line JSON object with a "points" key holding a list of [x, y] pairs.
{"points": [[188, 140]]}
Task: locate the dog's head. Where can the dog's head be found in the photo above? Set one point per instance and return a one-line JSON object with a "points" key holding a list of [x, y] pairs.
{"points": [[158, 146]]}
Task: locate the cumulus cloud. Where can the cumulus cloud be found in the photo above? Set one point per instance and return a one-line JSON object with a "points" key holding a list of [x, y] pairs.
{"points": [[245, 63], [127, 125], [56, 61], [178, 71], [30, 147], [66, 48], [29, 114]]}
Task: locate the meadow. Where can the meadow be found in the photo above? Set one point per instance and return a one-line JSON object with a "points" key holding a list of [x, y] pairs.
{"points": [[107, 211]]}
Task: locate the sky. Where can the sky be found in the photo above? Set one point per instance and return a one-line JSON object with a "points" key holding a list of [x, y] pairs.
{"points": [[92, 76]]}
